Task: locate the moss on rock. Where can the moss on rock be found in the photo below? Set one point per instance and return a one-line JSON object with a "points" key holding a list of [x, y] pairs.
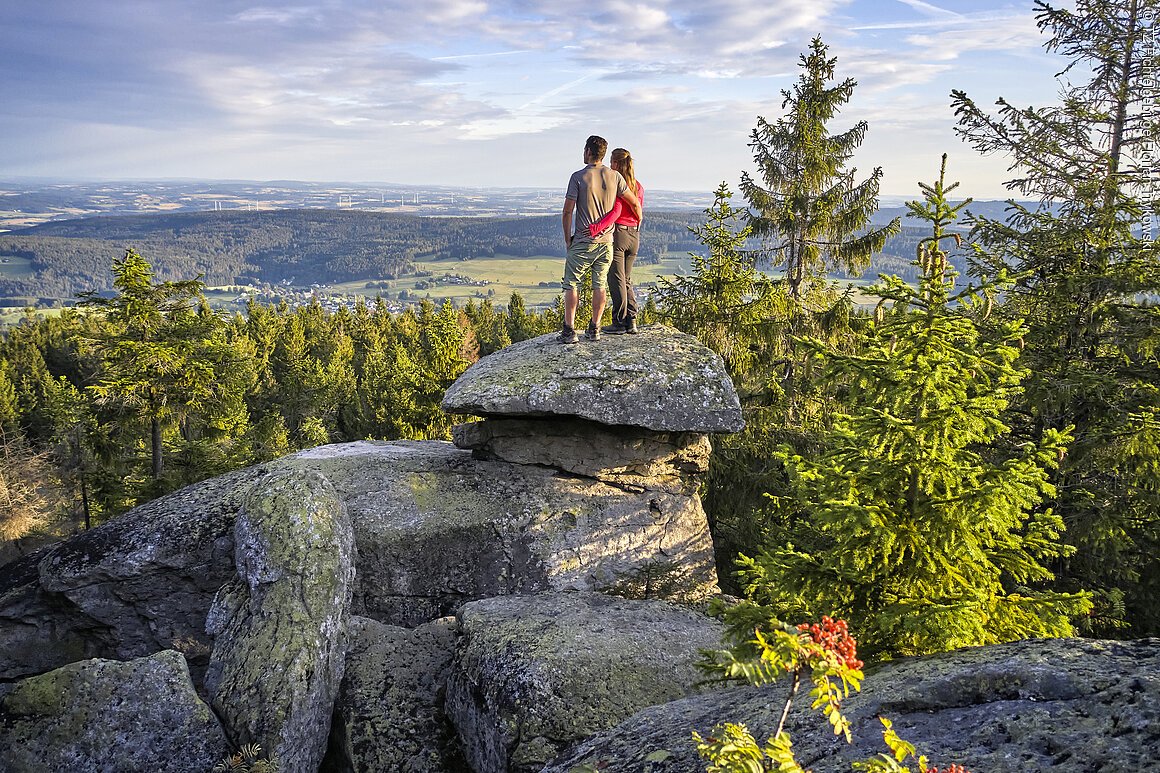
{"points": [[535, 674], [101, 715]]}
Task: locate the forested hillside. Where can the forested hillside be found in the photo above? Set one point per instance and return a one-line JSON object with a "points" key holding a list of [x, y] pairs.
{"points": [[292, 246], [301, 247]]}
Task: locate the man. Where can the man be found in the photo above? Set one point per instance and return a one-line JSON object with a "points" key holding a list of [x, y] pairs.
{"points": [[591, 193]]}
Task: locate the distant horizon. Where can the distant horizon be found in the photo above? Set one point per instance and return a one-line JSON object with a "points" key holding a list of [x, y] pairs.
{"points": [[894, 199]]}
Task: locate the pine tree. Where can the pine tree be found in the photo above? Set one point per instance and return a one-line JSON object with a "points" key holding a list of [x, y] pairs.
{"points": [[213, 418], [926, 537], [76, 425], [490, 326], [1087, 278], [149, 357], [808, 207], [724, 300], [9, 408]]}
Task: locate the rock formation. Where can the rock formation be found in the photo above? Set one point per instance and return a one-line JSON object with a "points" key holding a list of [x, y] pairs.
{"points": [[289, 607], [389, 714], [535, 674], [524, 599], [660, 380]]}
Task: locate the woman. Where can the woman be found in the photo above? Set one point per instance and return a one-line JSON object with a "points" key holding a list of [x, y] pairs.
{"points": [[625, 241]]}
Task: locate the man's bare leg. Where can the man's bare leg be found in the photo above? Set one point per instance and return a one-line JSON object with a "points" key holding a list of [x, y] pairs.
{"points": [[599, 298], [571, 303]]}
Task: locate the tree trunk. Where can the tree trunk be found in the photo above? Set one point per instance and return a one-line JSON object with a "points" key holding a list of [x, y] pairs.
{"points": [[85, 503], [1122, 97], [155, 433]]}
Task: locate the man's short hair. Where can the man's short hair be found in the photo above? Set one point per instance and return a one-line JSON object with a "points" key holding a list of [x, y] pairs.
{"points": [[596, 147]]}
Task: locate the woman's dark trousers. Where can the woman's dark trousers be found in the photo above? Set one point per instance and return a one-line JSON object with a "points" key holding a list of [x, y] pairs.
{"points": [[625, 240]]}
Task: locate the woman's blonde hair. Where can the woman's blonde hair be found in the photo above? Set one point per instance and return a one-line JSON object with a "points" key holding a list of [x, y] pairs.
{"points": [[623, 161]]}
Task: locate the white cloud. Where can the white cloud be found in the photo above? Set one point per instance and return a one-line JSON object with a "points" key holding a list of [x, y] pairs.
{"points": [[324, 86]]}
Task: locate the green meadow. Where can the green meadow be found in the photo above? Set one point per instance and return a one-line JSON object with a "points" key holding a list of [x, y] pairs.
{"points": [[14, 267], [536, 278]]}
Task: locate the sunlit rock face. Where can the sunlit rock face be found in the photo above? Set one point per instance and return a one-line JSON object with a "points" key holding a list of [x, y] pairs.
{"points": [[436, 528]]}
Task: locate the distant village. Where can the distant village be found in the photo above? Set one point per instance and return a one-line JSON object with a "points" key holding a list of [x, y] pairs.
{"points": [[331, 299]]}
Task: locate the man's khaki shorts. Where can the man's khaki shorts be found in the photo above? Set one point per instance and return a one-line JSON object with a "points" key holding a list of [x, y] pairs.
{"points": [[585, 255]]}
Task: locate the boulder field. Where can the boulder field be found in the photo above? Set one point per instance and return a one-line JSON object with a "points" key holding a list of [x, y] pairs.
{"points": [[528, 598]]}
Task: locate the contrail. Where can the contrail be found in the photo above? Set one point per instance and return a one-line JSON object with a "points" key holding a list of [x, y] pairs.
{"points": [[480, 56], [919, 5], [557, 90]]}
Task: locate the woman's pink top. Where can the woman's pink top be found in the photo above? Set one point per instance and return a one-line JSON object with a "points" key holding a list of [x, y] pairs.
{"points": [[618, 215]]}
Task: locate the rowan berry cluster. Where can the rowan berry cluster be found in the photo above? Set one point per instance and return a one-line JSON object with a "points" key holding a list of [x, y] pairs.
{"points": [[954, 768], [833, 636]]}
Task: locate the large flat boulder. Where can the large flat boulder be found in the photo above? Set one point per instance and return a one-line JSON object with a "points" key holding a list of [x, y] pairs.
{"points": [[1065, 705], [661, 380], [534, 674], [280, 628], [105, 715], [436, 528]]}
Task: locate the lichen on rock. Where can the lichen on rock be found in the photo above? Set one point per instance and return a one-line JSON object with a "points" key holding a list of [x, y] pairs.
{"points": [[105, 715], [389, 714], [280, 628], [437, 528], [1065, 705], [661, 380], [535, 674]]}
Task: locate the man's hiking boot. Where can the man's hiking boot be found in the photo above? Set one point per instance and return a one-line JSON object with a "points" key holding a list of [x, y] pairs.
{"points": [[631, 327], [593, 332], [567, 335], [614, 329]]}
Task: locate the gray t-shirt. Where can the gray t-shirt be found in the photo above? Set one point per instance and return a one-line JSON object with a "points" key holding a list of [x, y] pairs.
{"points": [[594, 189]]}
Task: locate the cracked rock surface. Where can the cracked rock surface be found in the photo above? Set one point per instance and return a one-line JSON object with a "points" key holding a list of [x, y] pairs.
{"points": [[436, 528], [105, 715], [534, 674]]}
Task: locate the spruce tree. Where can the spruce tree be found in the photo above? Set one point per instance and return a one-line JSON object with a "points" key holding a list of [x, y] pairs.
{"points": [[724, 300], [736, 311], [148, 352], [807, 207], [1088, 274], [926, 536]]}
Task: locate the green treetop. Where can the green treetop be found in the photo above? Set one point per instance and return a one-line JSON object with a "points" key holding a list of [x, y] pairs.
{"points": [[807, 205], [148, 352]]}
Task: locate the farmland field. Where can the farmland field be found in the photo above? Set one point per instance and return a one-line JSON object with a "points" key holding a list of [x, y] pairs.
{"points": [[14, 267], [536, 278]]}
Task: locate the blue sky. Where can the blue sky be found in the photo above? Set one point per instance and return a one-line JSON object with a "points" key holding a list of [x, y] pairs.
{"points": [[488, 93]]}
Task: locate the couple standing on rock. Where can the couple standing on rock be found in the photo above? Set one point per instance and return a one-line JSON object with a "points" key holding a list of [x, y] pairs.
{"points": [[605, 202]]}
